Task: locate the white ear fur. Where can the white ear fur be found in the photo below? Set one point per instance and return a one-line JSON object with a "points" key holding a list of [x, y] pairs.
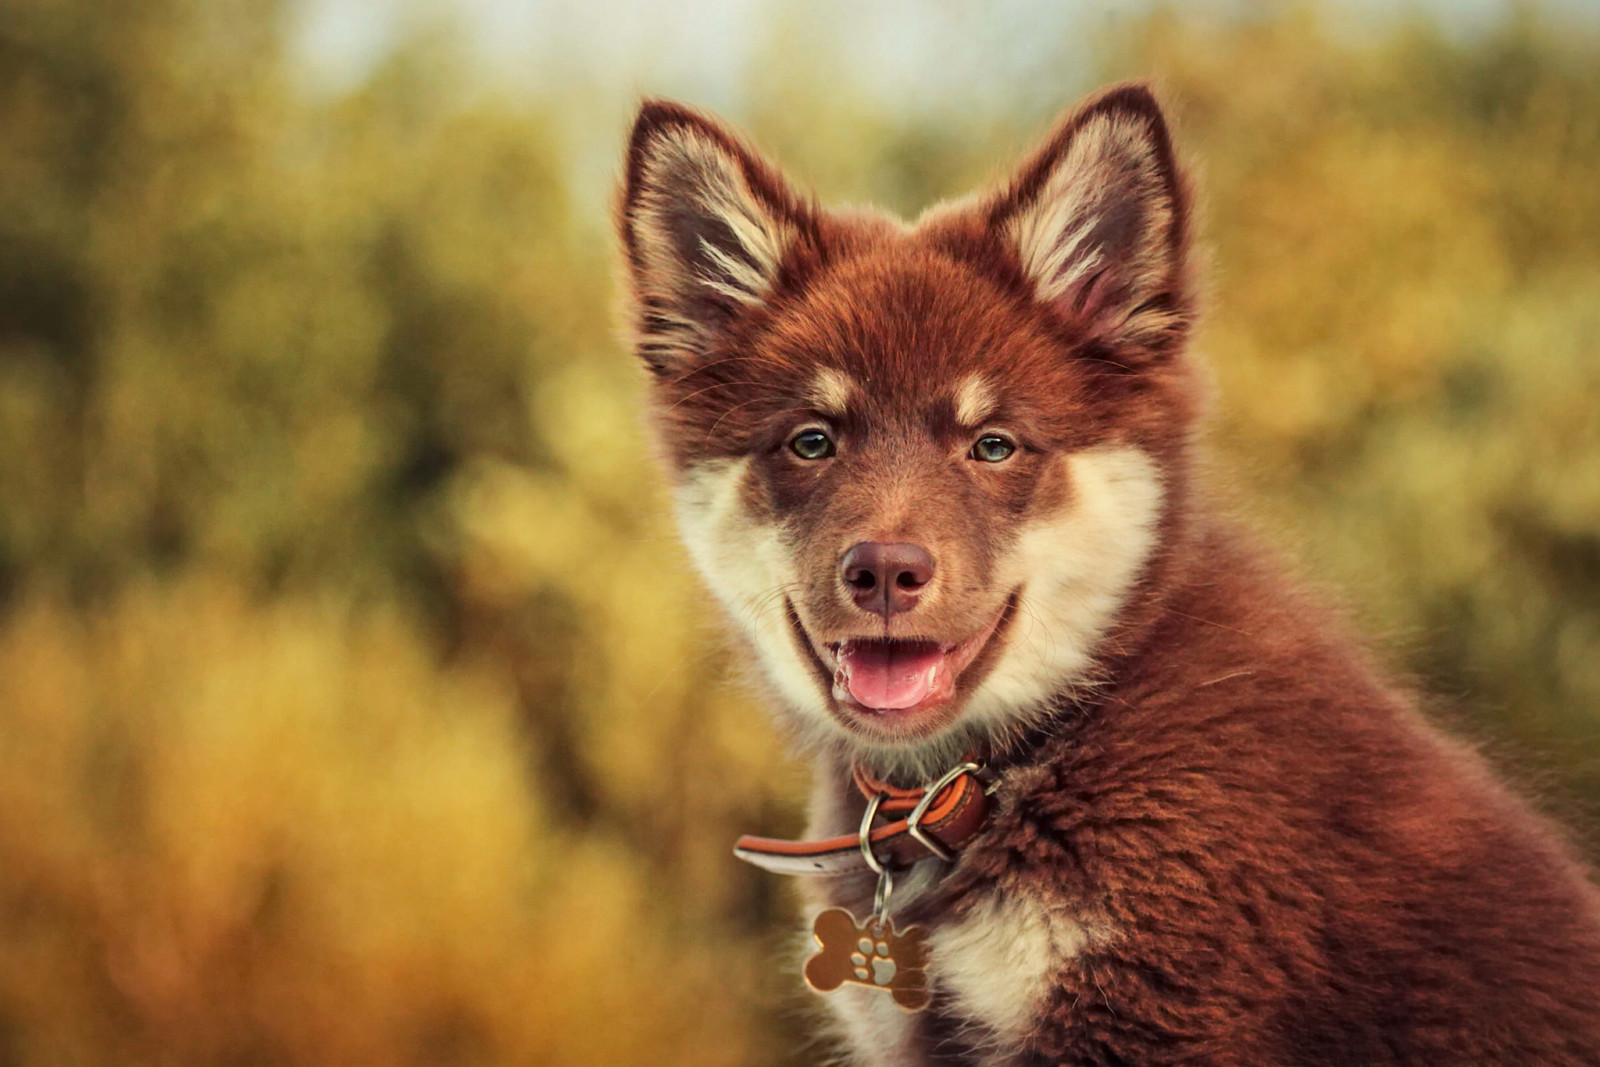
{"points": [[1100, 238], [705, 244]]}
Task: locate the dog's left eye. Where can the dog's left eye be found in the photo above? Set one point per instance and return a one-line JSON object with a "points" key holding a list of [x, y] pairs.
{"points": [[992, 448]]}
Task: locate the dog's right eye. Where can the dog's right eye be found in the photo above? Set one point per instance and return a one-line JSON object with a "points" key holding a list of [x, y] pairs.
{"points": [[811, 444]]}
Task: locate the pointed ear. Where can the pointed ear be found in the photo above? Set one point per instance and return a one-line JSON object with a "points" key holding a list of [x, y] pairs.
{"points": [[1099, 220], [705, 225]]}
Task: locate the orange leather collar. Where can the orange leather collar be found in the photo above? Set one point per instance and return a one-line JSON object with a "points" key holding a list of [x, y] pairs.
{"points": [[952, 818]]}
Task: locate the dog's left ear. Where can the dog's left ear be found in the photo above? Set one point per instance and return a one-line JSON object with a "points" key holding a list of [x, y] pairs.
{"points": [[706, 226], [1099, 221]]}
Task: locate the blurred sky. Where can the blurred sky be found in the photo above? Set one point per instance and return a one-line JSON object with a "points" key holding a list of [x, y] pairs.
{"points": [[909, 52], [942, 57]]}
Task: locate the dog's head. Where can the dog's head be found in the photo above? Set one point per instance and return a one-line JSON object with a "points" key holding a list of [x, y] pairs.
{"points": [[928, 469]]}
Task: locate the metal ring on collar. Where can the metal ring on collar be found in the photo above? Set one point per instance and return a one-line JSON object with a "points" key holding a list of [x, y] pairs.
{"points": [[866, 833], [914, 820]]}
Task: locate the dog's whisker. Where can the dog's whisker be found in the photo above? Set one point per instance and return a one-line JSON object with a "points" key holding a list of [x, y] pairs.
{"points": [[713, 387]]}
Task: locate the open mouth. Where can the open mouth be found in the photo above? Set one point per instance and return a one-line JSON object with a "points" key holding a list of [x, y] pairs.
{"points": [[900, 686]]}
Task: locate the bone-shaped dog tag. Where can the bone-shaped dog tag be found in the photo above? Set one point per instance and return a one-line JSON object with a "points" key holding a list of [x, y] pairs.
{"points": [[869, 954]]}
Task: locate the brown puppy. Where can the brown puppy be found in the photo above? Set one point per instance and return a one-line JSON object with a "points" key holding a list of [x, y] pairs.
{"points": [[940, 476]]}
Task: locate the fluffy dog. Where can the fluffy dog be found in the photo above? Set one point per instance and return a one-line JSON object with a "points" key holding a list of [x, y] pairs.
{"points": [[942, 478]]}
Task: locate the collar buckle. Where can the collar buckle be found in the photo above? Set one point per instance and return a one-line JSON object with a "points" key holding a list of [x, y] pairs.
{"points": [[914, 820]]}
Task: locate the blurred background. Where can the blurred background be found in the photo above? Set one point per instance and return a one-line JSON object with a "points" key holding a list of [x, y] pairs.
{"points": [[356, 703]]}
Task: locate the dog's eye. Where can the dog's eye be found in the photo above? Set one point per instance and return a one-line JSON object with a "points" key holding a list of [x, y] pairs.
{"points": [[992, 448], [812, 444]]}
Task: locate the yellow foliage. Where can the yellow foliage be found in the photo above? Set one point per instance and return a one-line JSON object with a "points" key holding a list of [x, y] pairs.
{"points": [[283, 831]]}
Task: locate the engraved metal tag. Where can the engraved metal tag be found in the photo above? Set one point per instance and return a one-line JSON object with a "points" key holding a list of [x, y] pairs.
{"points": [[869, 954]]}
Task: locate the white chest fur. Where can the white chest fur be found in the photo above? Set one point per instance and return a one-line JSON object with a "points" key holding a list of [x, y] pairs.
{"points": [[1000, 961], [998, 964]]}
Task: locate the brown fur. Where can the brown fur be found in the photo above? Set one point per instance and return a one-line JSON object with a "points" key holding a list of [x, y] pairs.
{"points": [[1273, 857]]}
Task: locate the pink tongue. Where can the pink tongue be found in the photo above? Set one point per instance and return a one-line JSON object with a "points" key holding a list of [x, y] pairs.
{"points": [[889, 676]]}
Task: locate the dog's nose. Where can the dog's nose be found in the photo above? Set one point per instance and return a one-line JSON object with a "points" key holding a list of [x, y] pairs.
{"points": [[886, 578]]}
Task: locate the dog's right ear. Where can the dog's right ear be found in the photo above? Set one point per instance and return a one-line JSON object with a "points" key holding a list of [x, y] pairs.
{"points": [[706, 226]]}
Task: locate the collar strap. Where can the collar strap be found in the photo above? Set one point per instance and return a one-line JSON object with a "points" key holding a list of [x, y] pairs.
{"points": [[937, 820]]}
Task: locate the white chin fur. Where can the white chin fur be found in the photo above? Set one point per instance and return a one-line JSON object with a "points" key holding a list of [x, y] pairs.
{"points": [[1075, 569]]}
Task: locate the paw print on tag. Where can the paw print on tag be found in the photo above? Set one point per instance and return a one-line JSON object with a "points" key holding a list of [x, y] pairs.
{"points": [[870, 954]]}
